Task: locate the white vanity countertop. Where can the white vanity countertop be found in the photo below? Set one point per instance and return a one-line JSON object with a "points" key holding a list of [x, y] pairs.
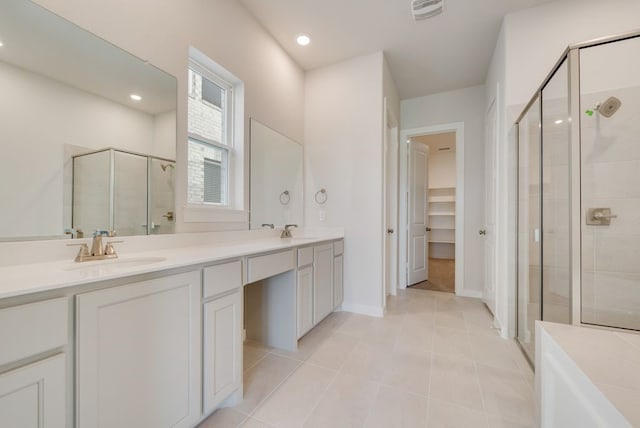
{"points": [[610, 359], [26, 279]]}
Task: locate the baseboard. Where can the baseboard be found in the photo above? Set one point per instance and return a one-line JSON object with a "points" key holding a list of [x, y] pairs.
{"points": [[469, 293], [372, 311]]}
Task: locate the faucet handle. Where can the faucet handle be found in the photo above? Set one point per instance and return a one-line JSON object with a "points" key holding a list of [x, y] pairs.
{"points": [[83, 253], [289, 226], [109, 250]]}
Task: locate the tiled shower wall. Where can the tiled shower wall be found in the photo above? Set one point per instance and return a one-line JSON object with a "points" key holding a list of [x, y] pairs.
{"points": [[611, 178]]}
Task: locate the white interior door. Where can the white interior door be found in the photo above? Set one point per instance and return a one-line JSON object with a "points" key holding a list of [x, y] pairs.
{"points": [[418, 216], [489, 292], [391, 210]]}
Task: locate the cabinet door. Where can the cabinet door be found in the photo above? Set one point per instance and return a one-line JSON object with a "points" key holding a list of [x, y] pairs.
{"points": [[338, 284], [222, 349], [322, 281], [34, 395], [304, 295], [138, 354]]}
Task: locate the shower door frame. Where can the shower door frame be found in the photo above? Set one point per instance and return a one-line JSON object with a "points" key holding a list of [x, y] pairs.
{"points": [[572, 55], [112, 151]]}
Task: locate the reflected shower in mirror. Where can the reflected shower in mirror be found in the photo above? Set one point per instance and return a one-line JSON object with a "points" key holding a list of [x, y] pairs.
{"points": [[129, 193], [276, 178], [66, 92]]}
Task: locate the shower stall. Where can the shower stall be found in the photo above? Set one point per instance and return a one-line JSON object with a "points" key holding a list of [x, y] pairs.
{"points": [[130, 193], [578, 258]]}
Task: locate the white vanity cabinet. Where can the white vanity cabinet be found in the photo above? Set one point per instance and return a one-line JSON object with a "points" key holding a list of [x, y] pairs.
{"points": [[34, 394], [338, 274], [304, 295], [318, 284], [322, 281], [138, 354], [222, 333]]}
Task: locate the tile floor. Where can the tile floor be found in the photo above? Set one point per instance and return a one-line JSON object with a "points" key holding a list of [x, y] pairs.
{"points": [[432, 361]]}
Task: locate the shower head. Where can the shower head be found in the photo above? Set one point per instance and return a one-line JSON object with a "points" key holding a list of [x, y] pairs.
{"points": [[164, 166], [609, 107]]}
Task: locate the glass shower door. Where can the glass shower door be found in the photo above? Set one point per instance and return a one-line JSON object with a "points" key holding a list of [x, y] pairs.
{"points": [[610, 182], [529, 225], [161, 196], [130, 194], [556, 260]]}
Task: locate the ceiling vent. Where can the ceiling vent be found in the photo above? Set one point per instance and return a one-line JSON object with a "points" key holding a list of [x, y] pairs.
{"points": [[423, 9]]}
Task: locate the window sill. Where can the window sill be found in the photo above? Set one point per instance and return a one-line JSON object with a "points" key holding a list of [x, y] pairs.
{"points": [[212, 214]]}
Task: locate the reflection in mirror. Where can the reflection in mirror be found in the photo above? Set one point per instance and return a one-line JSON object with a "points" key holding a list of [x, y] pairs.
{"points": [[276, 178], [128, 193], [66, 92]]}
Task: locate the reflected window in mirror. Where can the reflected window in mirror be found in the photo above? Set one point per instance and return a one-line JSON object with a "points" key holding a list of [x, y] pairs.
{"points": [[215, 144]]}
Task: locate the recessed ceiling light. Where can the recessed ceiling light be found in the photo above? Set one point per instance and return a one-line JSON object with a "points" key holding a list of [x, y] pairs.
{"points": [[558, 122], [303, 39], [135, 97]]}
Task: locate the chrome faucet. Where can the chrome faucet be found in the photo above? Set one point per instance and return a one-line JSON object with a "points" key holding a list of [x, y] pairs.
{"points": [[98, 252], [286, 232], [269, 225]]}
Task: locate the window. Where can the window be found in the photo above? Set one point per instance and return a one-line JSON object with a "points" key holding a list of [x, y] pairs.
{"points": [[216, 177], [210, 137]]}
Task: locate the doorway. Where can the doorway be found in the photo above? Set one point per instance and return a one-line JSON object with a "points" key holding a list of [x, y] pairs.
{"points": [[442, 204], [440, 210]]}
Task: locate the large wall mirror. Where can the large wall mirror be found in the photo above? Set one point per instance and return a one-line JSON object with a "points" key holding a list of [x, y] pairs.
{"points": [[87, 132], [276, 178]]}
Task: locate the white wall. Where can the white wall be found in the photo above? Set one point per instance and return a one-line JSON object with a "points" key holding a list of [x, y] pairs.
{"points": [[221, 29], [343, 154], [523, 57], [467, 106], [442, 169], [34, 158], [531, 53]]}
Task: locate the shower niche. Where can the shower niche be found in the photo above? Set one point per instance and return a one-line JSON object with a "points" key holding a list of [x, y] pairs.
{"points": [[578, 194], [129, 193]]}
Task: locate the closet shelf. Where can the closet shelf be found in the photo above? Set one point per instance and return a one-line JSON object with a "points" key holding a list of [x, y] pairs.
{"points": [[442, 228], [442, 214], [435, 199], [442, 242]]}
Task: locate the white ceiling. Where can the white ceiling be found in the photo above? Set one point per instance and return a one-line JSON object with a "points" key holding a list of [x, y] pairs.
{"points": [[450, 51]]}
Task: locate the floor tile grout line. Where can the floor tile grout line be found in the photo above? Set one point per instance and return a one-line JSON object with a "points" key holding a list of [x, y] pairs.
{"points": [[373, 402], [275, 388], [256, 363], [319, 399]]}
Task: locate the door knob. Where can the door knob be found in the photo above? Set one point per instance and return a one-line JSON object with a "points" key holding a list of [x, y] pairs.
{"points": [[389, 230], [428, 229], [483, 232]]}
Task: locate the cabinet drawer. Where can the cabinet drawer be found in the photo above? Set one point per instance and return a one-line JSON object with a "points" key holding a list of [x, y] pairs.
{"points": [[220, 278], [305, 256], [262, 267], [338, 247], [27, 330]]}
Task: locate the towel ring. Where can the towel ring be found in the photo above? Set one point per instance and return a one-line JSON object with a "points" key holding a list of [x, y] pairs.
{"points": [[285, 197], [321, 196]]}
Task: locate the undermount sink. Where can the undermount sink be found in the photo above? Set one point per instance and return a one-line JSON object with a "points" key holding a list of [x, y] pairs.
{"points": [[114, 265]]}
